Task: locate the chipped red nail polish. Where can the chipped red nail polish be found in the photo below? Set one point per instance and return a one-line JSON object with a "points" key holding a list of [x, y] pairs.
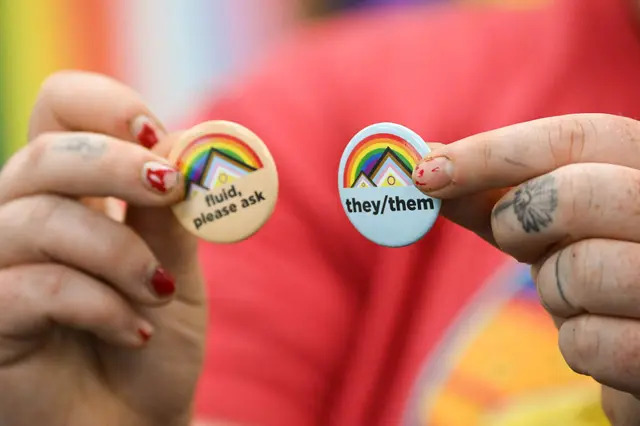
{"points": [[147, 136], [163, 283], [144, 335], [440, 171], [160, 177], [144, 131]]}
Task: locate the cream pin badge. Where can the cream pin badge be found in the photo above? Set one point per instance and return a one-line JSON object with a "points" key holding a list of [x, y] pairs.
{"points": [[231, 178]]}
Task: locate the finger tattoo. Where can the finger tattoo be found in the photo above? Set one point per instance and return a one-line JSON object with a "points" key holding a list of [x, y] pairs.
{"points": [[559, 282], [87, 147], [534, 203], [502, 207]]}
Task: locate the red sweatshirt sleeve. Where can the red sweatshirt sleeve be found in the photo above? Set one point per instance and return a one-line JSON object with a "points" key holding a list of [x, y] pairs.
{"points": [[283, 303]]}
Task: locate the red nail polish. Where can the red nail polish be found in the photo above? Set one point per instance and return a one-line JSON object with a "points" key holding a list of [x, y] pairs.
{"points": [[145, 336], [145, 132], [160, 177], [433, 173], [147, 136], [163, 283]]}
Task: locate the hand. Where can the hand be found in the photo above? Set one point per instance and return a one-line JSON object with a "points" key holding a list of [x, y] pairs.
{"points": [[562, 194], [93, 328]]}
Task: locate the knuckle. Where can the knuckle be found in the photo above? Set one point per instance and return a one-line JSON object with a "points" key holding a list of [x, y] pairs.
{"points": [[579, 343], [14, 167], [105, 310], [24, 213], [56, 81], [43, 209], [140, 268], [573, 137], [27, 159], [486, 154], [11, 293], [567, 140], [575, 193], [543, 281], [128, 250], [8, 279], [36, 149], [57, 277], [585, 271], [10, 168]]}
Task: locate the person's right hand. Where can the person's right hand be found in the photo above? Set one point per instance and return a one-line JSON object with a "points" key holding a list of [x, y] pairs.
{"points": [[562, 194], [94, 330]]}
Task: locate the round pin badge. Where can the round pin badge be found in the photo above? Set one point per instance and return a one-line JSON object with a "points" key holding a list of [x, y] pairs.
{"points": [[376, 189], [231, 178]]}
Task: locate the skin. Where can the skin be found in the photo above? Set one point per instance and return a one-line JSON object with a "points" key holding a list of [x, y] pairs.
{"points": [[68, 319], [562, 194], [540, 191]]}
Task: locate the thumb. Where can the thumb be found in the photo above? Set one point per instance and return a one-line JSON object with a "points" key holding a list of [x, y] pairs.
{"points": [[470, 211], [173, 245]]}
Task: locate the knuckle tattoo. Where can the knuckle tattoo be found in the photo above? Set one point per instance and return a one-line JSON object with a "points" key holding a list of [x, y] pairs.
{"points": [[534, 204]]}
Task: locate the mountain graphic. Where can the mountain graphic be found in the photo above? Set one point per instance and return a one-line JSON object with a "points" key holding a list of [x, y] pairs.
{"points": [[219, 169], [389, 170], [363, 182]]}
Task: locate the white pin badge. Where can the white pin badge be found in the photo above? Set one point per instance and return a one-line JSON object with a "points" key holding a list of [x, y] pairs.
{"points": [[376, 189], [231, 178]]}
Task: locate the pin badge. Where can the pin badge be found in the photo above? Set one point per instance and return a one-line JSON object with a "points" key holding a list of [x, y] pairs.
{"points": [[376, 189], [231, 178]]}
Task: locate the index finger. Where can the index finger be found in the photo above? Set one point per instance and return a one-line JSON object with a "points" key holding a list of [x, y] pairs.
{"points": [[514, 154], [89, 102]]}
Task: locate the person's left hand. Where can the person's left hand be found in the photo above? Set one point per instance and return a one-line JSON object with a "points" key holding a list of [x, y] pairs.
{"points": [[562, 194]]}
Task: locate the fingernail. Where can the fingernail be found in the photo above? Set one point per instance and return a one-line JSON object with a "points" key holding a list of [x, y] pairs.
{"points": [[160, 177], [145, 332], [145, 131], [164, 285], [433, 173]]}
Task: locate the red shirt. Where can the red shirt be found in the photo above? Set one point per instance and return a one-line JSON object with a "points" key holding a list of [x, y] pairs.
{"points": [[312, 324]]}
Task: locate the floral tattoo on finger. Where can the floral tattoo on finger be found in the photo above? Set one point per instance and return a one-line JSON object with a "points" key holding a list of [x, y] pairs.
{"points": [[534, 203]]}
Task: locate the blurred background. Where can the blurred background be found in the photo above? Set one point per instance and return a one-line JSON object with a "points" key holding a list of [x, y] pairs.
{"points": [[172, 51]]}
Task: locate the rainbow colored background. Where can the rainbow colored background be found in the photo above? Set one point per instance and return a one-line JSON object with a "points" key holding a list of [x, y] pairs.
{"points": [[172, 51]]}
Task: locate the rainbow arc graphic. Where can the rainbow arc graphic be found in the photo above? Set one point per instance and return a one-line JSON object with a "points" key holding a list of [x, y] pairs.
{"points": [[215, 160], [382, 160]]}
